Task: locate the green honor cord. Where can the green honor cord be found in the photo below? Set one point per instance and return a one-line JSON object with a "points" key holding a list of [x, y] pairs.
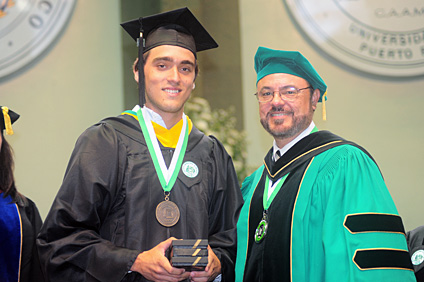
{"points": [[167, 186], [262, 228], [267, 201]]}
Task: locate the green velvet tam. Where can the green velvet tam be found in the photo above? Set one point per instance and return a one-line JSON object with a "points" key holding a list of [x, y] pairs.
{"points": [[269, 61]]}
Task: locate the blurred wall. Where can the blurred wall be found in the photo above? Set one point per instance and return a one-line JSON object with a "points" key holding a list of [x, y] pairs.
{"points": [[74, 85], [382, 115]]}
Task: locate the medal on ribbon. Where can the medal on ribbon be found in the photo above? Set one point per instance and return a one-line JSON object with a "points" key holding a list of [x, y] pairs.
{"points": [[263, 224], [167, 212], [262, 228]]}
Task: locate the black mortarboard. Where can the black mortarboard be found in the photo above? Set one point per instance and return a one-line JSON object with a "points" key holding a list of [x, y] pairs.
{"points": [[7, 118], [178, 27]]}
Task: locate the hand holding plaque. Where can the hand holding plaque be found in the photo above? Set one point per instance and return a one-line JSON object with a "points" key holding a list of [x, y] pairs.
{"points": [[192, 255]]}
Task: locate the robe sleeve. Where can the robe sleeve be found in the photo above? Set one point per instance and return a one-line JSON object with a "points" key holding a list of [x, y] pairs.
{"points": [[224, 211], [69, 243], [31, 224], [353, 228]]}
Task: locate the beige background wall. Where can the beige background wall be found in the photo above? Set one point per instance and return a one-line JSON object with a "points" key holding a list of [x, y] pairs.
{"points": [[384, 116], [79, 82], [73, 86]]}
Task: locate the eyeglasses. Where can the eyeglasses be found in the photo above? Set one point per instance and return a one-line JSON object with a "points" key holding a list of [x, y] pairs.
{"points": [[287, 93]]}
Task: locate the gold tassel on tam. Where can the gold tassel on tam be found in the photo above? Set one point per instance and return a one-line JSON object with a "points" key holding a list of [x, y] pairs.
{"points": [[324, 110], [7, 121]]}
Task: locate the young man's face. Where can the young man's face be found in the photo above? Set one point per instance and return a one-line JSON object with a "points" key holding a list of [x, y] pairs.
{"points": [[286, 119], [169, 73]]}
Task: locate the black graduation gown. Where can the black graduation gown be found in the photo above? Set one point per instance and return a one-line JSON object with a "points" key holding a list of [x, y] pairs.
{"points": [[415, 239], [26, 251], [104, 213], [31, 224]]}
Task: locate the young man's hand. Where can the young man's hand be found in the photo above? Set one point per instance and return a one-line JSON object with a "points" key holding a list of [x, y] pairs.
{"points": [[154, 265], [212, 270]]}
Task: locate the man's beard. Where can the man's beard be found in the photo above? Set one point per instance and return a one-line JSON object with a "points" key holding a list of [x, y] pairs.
{"points": [[300, 123]]}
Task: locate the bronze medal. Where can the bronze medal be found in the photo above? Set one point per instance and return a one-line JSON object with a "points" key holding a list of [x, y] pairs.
{"points": [[167, 213]]}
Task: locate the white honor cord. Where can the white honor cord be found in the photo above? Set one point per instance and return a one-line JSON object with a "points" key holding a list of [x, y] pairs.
{"points": [[271, 187], [167, 172]]}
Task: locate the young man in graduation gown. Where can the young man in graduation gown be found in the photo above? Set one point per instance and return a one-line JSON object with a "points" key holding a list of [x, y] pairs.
{"points": [[318, 208], [20, 220], [137, 181]]}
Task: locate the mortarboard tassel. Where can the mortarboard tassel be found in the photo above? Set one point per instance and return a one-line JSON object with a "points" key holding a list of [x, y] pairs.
{"points": [[324, 110], [7, 121]]}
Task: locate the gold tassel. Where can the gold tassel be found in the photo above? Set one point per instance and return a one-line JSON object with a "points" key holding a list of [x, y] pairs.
{"points": [[7, 121], [324, 110]]}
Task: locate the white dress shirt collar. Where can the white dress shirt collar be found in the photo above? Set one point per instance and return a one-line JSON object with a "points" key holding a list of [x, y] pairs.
{"points": [[283, 150], [152, 115]]}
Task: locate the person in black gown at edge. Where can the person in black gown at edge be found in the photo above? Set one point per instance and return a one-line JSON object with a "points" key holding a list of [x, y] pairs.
{"points": [[20, 220], [415, 239]]}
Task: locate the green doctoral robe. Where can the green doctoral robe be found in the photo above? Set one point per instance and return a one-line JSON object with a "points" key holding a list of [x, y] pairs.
{"points": [[332, 220]]}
